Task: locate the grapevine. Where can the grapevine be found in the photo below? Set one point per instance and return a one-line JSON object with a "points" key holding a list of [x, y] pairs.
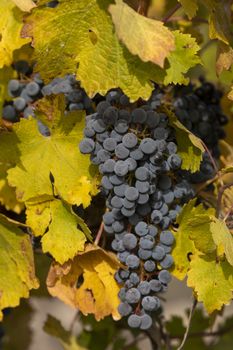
{"points": [[116, 174]]}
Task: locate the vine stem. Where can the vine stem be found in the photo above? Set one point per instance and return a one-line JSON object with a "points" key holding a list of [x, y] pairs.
{"points": [[220, 194], [211, 157], [99, 233], [143, 7], [171, 13], [194, 304]]}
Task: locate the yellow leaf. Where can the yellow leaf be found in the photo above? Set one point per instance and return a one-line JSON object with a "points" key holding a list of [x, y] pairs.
{"points": [[190, 7], [25, 5], [11, 23], [38, 217], [184, 246], [70, 39], [222, 238], [57, 155], [190, 147], [212, 281], [224, 57], [17, 274], [6, 73], [8, 156], [62, 230], [230, 94], [98, 290], [145, 37]]}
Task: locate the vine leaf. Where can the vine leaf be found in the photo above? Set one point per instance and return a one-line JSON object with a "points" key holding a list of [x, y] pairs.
{"points": [[25, 5], [54, 328], [87, 282], [220, 20], [184, 246], [200, 231], [211, 280], [70, 39], [11, 23], [192, 236], [190, 147], [74, 178], [222, 238], [224, 57], [6, 74], [230, 94], [17, 265], [145, 37], [62, 234], [182, 58], [190, 7], [8, 158]]}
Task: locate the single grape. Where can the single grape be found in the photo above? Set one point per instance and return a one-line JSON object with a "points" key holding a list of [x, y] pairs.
{"points": [[132, 296], [132, 261]]}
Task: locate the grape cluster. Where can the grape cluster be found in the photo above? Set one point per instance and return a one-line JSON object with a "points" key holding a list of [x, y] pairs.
{"points": [[137, 156], [29, 88], [199, 109]]}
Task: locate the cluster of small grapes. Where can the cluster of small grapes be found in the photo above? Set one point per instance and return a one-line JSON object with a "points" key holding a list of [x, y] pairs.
{"points": [[29, 88], [137, 156], [199, 109]]}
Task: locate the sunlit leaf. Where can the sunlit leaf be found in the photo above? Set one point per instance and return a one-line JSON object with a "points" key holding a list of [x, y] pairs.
{"points": [[211, 280], [145, 37], [87, 282], [57, 156], [17, 274], [11, 23], [78, 37]]}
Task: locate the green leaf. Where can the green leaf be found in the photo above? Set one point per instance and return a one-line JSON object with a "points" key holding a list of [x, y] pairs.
{"points": [[11, 23], [190, 147], [98, 335], [57, 155], [199, 323], [175, 326], [225, 340], [8, 158], [222, 238], [200, 231], [184, 246], [182, 58], [190, 7], [211, 280], [17, 275], [145, 37], [82, 41], [54, 328], [62, 237]]}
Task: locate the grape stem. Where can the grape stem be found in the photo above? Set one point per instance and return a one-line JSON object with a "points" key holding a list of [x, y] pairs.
{"points": [[171, 13], [143, 7], [99, 233], [194, 304], [211, 157], [220, 194]]}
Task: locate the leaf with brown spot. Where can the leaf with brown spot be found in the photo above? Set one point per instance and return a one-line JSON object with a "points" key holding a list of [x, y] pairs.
{"points": [[98, 291]]}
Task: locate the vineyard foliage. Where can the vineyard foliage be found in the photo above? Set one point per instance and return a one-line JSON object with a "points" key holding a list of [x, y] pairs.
{"points": [[48, 187]]}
